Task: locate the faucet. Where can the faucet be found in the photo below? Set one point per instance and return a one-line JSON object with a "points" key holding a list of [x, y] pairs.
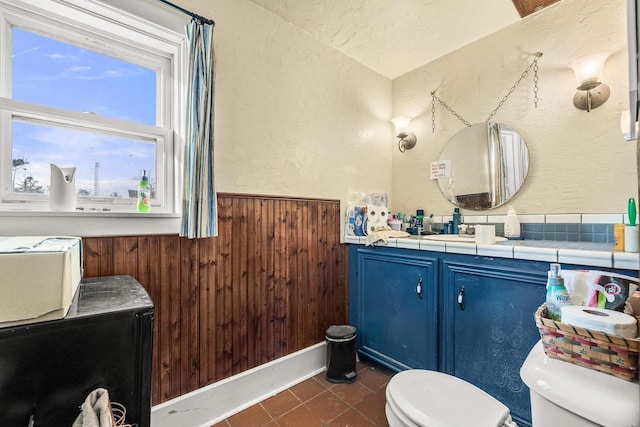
{"points": [[466, 229]]}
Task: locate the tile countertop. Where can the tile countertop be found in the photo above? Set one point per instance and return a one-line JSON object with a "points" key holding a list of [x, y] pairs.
{"points": [[580, 253]]}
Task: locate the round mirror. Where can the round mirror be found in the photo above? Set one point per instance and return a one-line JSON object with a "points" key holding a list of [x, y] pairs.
{"points": [[483, 166]]}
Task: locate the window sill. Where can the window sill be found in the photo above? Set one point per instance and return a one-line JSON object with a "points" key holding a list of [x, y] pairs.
{"points": [[18, 222], [86, 213]]}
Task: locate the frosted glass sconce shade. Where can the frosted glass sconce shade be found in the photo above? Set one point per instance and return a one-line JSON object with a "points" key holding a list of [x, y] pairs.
{"points": [[591, 92]]}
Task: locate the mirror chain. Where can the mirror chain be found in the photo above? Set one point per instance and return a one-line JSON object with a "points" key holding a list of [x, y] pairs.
{"points": [[534, 65]]}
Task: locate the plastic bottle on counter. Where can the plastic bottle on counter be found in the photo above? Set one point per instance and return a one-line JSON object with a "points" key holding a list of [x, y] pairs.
{"points": [[406, 223], [428, 226], [420, 220], [557, 295], [456, 221], [512, 225], [144, 194]]}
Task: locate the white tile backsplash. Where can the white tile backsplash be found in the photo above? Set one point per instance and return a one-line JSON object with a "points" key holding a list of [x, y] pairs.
{"points": [[563, 218], [474, 219], [602, 218], [531, 219]]}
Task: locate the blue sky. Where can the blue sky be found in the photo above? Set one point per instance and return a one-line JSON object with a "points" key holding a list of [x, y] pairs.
{"points": [[53, 73]]}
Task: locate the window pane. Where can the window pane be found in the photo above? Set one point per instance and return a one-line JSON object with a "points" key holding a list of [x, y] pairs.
{"points": [[50, 72], [106, 166]]}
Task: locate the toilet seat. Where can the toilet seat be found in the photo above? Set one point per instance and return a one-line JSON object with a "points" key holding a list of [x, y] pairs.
{"points": [[434, 399]]}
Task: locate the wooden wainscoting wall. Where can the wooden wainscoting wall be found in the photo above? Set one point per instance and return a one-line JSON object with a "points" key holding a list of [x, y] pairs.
{"points": [[269, 285]]}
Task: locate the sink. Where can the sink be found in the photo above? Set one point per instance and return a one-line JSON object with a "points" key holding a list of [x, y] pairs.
{"points": [[457, 238]]}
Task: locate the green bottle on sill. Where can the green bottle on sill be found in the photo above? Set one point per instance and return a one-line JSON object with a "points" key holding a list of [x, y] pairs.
{"points": [[144, 194]]}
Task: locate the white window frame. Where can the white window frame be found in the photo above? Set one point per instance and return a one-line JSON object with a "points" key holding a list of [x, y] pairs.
{"points": [[103, 26]]}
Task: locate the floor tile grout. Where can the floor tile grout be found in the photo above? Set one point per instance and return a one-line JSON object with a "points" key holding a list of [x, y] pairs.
{"points": [[367, 407]]}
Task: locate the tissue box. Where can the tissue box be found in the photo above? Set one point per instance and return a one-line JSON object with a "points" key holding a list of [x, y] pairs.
{"points": [[38, 277]]}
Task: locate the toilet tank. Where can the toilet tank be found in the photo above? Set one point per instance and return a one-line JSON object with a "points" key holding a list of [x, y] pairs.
{"points": [[567, 394]]}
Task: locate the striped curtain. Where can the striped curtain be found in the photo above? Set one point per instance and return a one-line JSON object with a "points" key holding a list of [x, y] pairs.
{"points": [[199, 205]]}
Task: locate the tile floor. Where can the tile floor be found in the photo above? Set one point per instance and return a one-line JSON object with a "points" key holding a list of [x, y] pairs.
{"points": [[317, 402]]}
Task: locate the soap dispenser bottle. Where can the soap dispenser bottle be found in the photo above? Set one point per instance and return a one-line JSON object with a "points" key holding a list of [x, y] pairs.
{"points": [[144, 194], [512, 225], [557, 295]]}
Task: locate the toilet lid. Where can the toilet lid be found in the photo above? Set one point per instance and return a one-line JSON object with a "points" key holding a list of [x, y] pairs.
{"points": [[434, 399]]}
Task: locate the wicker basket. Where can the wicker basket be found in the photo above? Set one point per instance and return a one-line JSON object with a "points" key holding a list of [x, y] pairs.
{"points": [[592, 349]]}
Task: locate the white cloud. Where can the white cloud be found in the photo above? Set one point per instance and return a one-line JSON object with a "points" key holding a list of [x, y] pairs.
{"points": [[79, 68]]}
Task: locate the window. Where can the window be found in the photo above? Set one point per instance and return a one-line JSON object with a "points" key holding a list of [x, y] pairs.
{"points": [[84, 84]]}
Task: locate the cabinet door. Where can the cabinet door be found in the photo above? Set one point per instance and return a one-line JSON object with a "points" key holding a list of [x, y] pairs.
{"points": [[487, 342], [395, 308], [47, 369]]}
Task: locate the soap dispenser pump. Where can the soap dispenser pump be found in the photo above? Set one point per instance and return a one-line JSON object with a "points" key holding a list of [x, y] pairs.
{"points": [[512, 225]]}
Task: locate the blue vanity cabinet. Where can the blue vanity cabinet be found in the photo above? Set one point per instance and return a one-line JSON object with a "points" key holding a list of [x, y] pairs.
{"points": [[475, 319], [393, 303], [487, 324]]}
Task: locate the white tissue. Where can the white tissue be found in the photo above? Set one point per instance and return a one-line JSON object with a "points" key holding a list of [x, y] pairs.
{"points": [[600, 319]]}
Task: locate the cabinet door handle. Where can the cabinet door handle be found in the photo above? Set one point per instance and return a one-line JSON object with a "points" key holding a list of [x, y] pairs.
{"points": [[419, 287], [461, 298]]}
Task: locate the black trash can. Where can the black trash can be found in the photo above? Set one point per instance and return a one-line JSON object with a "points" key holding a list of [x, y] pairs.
{"points": [[341, 354]]}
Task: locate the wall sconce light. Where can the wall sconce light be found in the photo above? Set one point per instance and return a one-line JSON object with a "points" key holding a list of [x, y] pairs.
{"points": [[591, 93], [406, 141]]}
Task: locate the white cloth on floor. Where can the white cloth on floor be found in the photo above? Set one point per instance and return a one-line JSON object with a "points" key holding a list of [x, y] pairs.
{"points": [[95, 410], [383, 234]]}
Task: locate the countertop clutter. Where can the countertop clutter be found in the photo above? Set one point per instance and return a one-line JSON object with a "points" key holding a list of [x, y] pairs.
{"points": [[564, 252]]}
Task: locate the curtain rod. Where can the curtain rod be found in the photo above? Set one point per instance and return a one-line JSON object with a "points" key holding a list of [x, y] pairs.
{"points": [[195, 16]]}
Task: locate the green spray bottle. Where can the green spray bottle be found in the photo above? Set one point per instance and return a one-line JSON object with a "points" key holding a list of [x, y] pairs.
{"points": [[144, 194], [557, 295]]}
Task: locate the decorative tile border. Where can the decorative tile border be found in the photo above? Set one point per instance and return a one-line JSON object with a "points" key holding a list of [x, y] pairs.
{"points": [[580, 257], [580, 253], [585, 239], [596, 228], [626, 260]]}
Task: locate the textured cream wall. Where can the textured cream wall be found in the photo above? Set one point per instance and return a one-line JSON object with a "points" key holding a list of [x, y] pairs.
{"points": [[580, 162], [293, 116]]}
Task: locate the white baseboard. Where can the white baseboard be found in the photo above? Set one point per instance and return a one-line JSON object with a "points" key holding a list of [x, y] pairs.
{"points": [[215, 402]]}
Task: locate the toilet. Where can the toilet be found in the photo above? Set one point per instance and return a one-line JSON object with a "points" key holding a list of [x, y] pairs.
{"points": [[424, 398], [562, 394], [565, 394]]}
